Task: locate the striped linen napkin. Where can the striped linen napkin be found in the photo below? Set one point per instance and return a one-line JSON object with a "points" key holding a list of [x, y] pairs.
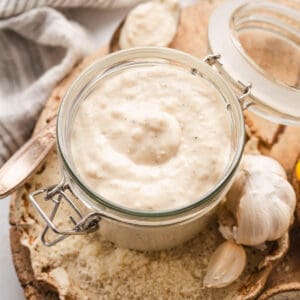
{"points": [[38, 46]]}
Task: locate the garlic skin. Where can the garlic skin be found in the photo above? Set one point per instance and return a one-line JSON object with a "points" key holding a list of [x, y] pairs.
{"points": [[225, 265], [260, 204], [261, 163]]}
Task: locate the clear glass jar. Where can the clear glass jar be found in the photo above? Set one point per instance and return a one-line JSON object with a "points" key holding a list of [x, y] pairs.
{"points": [[233, 70], [143, 230]]}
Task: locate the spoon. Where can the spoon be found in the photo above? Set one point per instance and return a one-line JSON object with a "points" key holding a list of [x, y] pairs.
{"points": [[114, 41], [27, 159]]}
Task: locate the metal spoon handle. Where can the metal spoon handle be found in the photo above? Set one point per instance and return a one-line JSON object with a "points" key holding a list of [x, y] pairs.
{"points": [[26, 160]]}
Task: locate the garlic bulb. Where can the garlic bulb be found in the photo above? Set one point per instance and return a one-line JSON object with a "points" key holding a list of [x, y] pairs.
{"points": [[225, 266], [260, 203]]}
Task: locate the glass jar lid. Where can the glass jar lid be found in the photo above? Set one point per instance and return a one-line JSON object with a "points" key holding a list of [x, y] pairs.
{"points": [[271, 31]]}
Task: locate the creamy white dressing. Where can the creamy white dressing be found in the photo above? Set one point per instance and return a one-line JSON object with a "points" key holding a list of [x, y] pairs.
{"points": [[151, 138], [152, 23]]}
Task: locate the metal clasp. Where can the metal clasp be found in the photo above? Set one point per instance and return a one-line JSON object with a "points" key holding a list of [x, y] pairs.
{"points": [[245, 103], [211, 59], [59, 194]]}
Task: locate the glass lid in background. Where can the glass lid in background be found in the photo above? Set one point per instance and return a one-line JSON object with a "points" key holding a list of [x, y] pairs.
{"points": [[259, 43]]}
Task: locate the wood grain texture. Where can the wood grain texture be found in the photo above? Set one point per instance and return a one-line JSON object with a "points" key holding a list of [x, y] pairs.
{"points": [[34, 289], [280, 142]]}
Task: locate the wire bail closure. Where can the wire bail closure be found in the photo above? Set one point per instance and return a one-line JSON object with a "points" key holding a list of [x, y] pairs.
{"points": [[245, 103], [57, 194], [212, 59]]}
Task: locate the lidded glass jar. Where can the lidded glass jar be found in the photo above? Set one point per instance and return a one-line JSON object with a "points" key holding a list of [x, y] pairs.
{"points": [[154, 230]]}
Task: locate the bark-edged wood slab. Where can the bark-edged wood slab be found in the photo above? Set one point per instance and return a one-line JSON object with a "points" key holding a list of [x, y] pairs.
{"points": [[280, 142]]}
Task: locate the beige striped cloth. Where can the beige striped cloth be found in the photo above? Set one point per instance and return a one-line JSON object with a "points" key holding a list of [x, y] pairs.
{"points": [[38, 46]]}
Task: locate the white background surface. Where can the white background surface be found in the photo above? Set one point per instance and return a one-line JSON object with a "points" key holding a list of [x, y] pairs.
{"points": [[10, 288], [100, 25]]}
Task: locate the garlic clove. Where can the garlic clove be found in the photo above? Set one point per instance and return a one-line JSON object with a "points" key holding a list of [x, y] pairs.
{"points": [[226, 265], [286, 193], [226, 222]]}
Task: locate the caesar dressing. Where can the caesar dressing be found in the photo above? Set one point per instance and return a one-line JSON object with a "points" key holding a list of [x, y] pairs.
{"points": [[152, 138]]}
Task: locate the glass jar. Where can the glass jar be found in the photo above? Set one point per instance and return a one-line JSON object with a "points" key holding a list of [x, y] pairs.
{"points": [[143, 230], [154, 230]]}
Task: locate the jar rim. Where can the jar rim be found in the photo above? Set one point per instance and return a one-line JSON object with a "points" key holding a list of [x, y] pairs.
{"points": [[148, 53]]}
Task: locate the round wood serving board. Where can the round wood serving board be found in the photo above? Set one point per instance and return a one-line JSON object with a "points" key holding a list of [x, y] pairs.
{"points": [[278, 141]]}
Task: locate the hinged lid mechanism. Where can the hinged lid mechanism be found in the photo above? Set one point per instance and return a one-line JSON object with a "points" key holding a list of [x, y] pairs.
{"points": [[276, 98]]}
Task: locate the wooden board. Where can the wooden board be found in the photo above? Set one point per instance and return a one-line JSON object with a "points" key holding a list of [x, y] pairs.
{"points": [[280, 142]]}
